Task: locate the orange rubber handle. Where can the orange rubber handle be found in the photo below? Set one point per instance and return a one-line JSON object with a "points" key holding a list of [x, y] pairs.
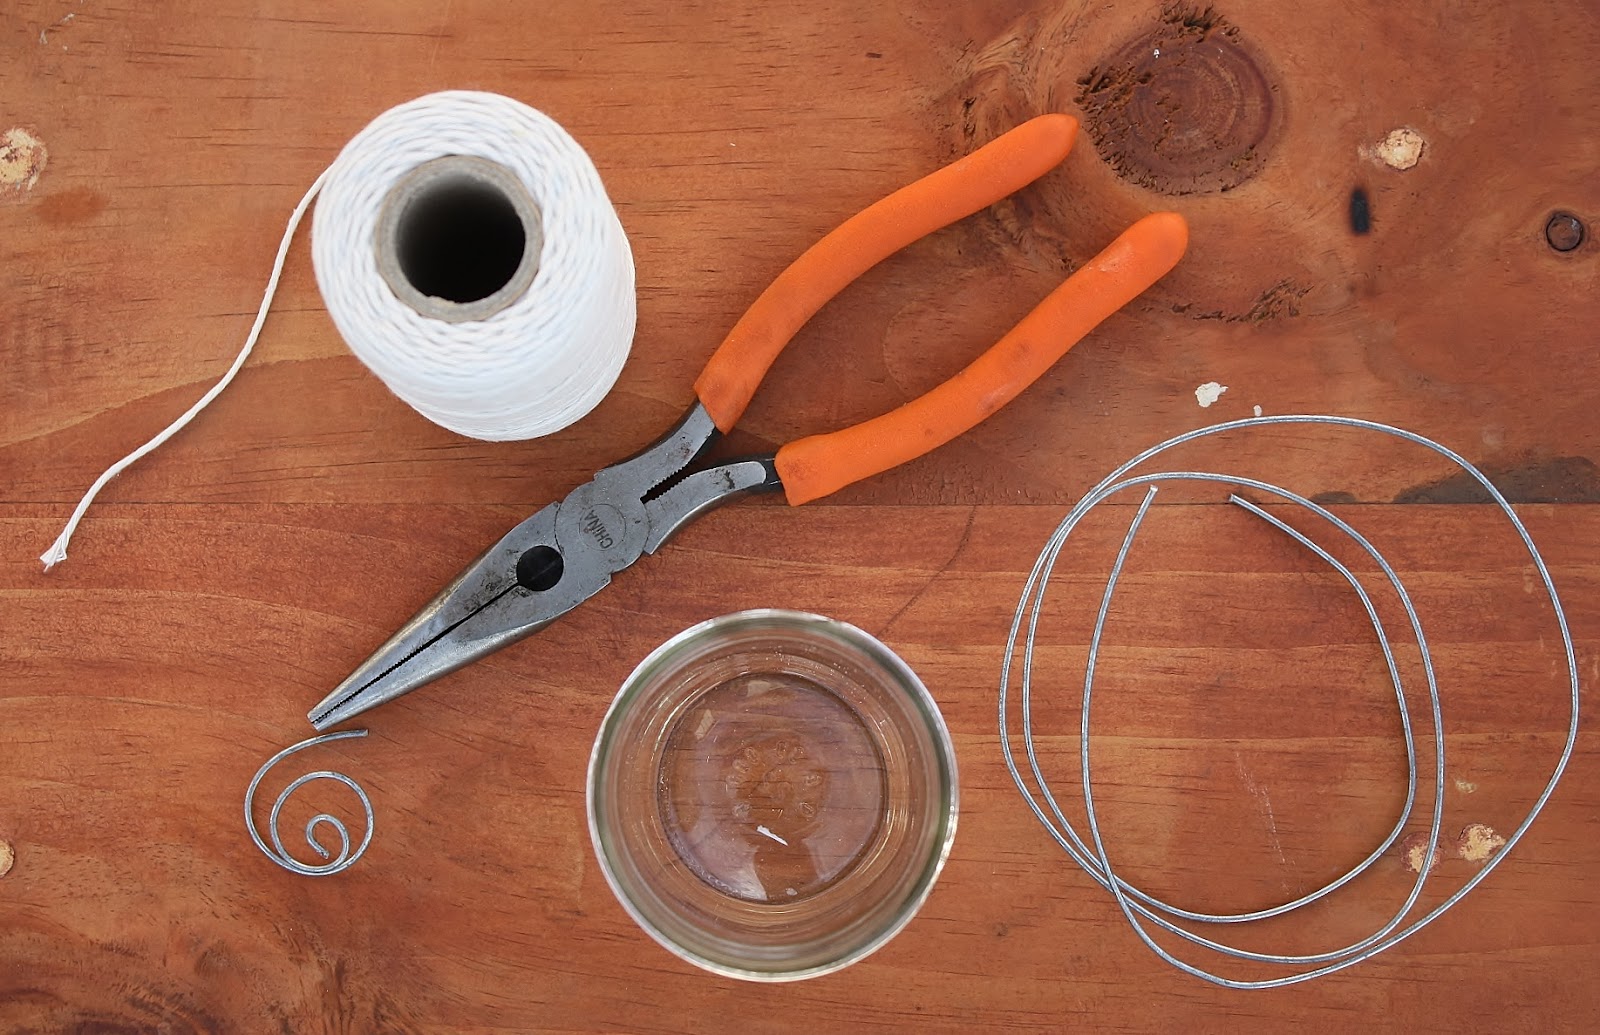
{"points": [[816, 466], [1001, 167]]}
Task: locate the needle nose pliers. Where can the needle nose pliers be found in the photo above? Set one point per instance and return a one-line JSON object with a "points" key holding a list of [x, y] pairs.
{"points": [[568, 551]]}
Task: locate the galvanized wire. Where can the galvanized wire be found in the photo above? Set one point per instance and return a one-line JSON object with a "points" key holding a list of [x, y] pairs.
{"points": [[1139, 906], [280, 855]]}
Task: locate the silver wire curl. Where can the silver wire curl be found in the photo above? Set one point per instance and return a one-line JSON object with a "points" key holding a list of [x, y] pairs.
{"points": [[1136, 903], [280, 855]]}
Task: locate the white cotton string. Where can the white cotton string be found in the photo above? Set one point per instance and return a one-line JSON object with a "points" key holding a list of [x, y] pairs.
{"points": [[58, 549], [541, 360]]}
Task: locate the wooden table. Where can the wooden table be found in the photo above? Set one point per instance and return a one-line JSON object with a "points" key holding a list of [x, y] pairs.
{"points": [[1247, 744]]}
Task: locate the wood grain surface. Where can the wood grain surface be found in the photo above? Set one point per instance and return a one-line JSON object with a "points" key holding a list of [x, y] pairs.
{"points": [[1247, 746]]}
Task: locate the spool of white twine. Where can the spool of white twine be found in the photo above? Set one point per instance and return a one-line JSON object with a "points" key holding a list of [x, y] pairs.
{"points": [[469, 256]]}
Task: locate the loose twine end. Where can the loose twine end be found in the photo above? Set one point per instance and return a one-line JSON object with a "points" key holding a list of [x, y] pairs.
{"points": [[58, 550], [56, 554]]}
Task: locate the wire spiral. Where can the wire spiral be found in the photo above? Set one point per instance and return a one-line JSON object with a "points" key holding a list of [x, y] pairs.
{"points": [[276, 851], [1139, 906]]}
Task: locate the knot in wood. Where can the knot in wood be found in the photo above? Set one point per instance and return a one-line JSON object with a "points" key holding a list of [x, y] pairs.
{"points": [[1184, 108]]}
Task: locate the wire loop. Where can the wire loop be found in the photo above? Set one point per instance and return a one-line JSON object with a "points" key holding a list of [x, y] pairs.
{"points": [[276, 851], [1142, 908]]}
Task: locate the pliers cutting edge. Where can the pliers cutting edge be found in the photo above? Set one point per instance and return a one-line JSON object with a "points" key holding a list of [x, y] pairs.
{"points": [[567, 552]]}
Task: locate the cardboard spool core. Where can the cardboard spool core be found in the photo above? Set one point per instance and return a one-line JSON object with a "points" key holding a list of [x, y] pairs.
{"points": [[459, 238]]}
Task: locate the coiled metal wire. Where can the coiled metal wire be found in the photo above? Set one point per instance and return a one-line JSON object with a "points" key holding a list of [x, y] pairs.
{"points": [[1140, 907]]}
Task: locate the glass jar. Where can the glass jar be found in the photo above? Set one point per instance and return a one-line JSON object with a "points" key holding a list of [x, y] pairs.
{"points": [[772, 794]]}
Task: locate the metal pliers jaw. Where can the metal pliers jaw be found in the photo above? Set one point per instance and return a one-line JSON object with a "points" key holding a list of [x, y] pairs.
{"points": [[551, 563]]}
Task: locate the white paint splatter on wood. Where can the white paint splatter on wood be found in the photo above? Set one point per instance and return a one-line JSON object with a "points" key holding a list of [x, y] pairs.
{"points": [[1209, 393], [1478, 841], [22, 159], [1401, 149], [1414, 850]]}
